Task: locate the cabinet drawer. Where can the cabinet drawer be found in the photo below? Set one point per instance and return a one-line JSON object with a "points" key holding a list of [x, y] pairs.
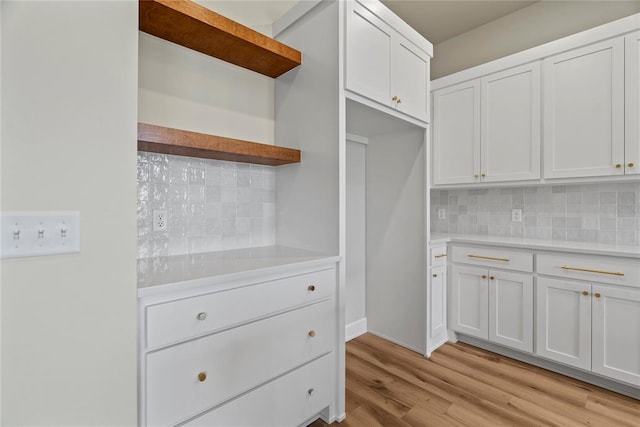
{"points": [[508, 259], [620, 271], [286, 401], [438, 256], [176, 321], [234, 361]]}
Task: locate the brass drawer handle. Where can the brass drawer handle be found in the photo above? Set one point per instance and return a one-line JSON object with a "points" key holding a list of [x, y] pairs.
{"points": [[312, 334], [585, 293], [630, 165], [440, 256], [618, 165], [435, 275], [597, 295], [202, 376], [492, 278], [311, 288], [484, 276], [488, 257], [590, 270]]}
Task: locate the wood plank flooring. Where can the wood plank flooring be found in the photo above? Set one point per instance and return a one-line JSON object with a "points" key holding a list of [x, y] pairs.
{"points": [[462, 385]]}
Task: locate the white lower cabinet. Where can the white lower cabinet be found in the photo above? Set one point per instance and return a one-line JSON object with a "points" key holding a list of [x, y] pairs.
{"points": [[259, 353], [493, 305], [563, 321], [437, 327], [615, 316]]}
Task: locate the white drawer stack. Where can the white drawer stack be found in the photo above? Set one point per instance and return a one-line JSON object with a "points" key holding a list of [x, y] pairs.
{"points": [[259, 353]]}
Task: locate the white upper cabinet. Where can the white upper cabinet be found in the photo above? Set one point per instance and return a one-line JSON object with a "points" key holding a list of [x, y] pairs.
{"points": [[632, 106], [510, 122], [456, 134], [384, 66], [584, 111], [488, 129]]}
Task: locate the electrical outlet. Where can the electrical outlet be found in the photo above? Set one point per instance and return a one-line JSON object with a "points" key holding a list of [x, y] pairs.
{"points": [[516, 215], [160, 220], [442, 213]]}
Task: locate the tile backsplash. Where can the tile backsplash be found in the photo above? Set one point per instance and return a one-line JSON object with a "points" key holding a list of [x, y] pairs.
{"points": [[211, 205], [603, 213]]}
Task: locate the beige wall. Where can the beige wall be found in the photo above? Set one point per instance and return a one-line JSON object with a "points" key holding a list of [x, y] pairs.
{"points": [[68, 142], [534, 25]]}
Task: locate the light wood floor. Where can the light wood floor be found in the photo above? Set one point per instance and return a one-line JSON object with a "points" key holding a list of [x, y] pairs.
{"points": [[465, 386]]}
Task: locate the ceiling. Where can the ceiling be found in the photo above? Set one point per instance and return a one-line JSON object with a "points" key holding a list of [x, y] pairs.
{"points": [[441, 20], [437, 20]]}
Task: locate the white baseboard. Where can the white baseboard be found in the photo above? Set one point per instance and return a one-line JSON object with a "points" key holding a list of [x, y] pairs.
{"points": [[355, 329]]}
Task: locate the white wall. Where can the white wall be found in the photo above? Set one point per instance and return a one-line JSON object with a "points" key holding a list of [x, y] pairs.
{"points": [[539, 23], [356, 242], [69, 79]]}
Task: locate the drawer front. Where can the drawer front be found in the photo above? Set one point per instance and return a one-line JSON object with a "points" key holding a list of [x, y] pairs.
{"points": [[176, 321], [438, 256], [234, 361], [287, 401], [509, 259], [588, 268]]}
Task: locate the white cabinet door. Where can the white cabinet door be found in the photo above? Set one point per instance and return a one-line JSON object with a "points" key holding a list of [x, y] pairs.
{"points": [[632, 103], [368, 61], [584, 111], [456, 134], [409, 78], [469, 301], [511, 309], [563, 321], [437, 308], [616, 333], [510, 141]]}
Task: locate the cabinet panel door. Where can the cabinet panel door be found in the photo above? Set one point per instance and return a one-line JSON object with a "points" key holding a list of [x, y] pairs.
{"points": [[616, 333], [510, 142], [584, 111], [437, 308], [632, 106], [368, 62], [563, 321], [456, 134], [511, 310], [469, 301], [409, 78]]}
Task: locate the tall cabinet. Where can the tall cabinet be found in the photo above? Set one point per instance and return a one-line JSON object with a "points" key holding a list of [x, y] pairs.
{"points": [[359, 56]]}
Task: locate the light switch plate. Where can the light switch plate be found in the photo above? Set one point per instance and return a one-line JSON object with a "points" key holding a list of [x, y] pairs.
{"points": [[26, 234]]}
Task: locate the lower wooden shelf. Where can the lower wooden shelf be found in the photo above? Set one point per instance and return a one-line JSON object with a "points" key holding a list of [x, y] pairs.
{"points": [[159, 139]]}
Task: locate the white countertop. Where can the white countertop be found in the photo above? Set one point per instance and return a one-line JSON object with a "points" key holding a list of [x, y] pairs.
{"points": [[538, 244], [162, 274]]}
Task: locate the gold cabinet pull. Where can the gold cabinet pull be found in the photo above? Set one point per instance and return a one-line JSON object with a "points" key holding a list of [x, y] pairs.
{"points": [[435, 275], [488, 257], [618, 165], [483, 175], [395, 98], [492, 278], [399, 101], [440, 256], [597, 295], [590, 270], [202, 376], [475, 175], [311, 288], [630, 165], [202, 316], [312, 334], [484, 276], [585, 293]]}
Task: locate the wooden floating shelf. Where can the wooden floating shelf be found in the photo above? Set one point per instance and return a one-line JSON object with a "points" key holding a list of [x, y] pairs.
{"points": [[190, 25], [158, 139]]}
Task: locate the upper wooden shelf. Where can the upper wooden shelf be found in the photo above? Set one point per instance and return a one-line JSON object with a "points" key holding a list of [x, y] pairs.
{"points": [[196, 27], [158, 139]]}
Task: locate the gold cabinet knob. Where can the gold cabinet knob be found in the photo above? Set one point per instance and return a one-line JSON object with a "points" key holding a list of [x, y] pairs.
{"points": [[312, 334], [585, 293], [202, 316], [484, 276], [618, 166], [434, 275], [483, 175], [597, 295], [311, 288], [491, 278], [395, 98], [310, 391], [202, 376], [399, 101], [475, 175], [630, 165]]}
